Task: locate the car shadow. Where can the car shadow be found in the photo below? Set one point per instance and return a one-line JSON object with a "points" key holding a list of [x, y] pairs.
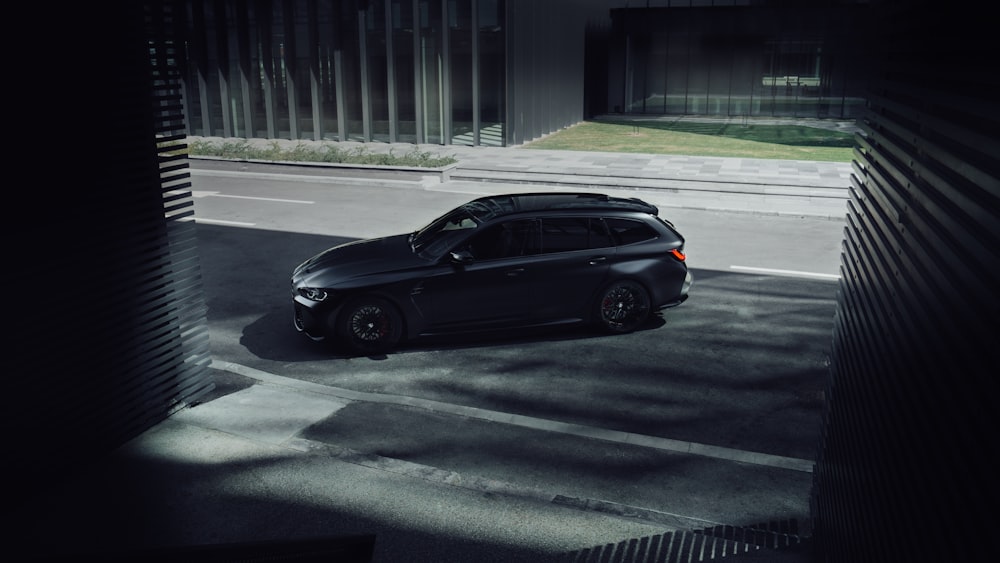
{"points": [[518, 336], [272, 337]]}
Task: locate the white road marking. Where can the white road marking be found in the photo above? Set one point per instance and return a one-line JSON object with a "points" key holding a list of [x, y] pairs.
{"points": [[273, 199], [218, 222], [793, 273]]}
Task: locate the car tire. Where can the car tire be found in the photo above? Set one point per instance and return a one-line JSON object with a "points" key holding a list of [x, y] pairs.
{"points": [[370, 325], [623, 306]]}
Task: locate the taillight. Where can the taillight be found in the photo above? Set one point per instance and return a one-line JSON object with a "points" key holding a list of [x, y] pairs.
{"points": [[678, 254]]}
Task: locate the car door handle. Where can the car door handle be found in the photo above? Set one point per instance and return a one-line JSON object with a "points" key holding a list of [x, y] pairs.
{"points": [[598, 260], [515, 272]]}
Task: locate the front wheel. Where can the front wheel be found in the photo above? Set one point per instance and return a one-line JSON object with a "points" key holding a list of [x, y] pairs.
{"points": [[369, 325], [623, 306]]}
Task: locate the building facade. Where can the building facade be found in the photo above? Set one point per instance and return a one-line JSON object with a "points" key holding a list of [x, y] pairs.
{"points": [[503, 72], [467, 72], [733, 58]]}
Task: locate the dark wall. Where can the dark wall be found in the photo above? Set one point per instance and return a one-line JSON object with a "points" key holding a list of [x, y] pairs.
{"points": [[905, 470], [110, 335], [546, 42]]}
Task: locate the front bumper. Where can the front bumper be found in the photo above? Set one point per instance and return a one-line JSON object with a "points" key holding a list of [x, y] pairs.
{"points": [[308, 320]]}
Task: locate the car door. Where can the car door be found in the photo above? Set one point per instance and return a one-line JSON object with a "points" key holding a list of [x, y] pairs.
{"points": [[491, 285], [577, 254]]}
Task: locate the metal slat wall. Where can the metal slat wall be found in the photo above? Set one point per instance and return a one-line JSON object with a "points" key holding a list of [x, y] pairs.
{"points": [[188, 334], [113, 334], [905, 471]]}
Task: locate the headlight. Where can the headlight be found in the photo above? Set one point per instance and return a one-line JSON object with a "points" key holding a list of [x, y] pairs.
{"points": [[313, 294]]}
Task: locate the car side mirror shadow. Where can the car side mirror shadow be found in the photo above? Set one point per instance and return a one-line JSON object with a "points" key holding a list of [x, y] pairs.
{"points": [[461, 257]]}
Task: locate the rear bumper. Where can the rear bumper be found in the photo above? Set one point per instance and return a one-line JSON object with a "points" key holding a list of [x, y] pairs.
{"points": [[682, 297]]}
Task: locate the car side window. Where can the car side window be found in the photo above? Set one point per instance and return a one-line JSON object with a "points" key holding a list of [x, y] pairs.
{"points": [[562, 234], [506, 240], [629, 231], [566, 234]]}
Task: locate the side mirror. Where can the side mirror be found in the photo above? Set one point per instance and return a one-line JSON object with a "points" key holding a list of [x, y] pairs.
{"points": [[461, 257]]}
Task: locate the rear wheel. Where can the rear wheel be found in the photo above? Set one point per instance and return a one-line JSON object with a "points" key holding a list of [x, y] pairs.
{"points": [[369, 325], [623, 306]]}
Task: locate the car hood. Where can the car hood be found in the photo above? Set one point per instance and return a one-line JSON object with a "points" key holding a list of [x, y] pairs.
{"points": [[358, 259]]}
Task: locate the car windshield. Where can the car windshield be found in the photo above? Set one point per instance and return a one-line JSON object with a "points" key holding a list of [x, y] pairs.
{"points": [[441, 234]]}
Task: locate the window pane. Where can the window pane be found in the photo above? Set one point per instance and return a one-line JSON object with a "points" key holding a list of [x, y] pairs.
{"points": [[460, 38], [600, 236], [677, 72], [491, 67], [431, 61], [327, 70], [507, 240], [627, 231], [348, 47], [402, 53], [297, 56], [377, 71], [565, 234], [656, 87]]}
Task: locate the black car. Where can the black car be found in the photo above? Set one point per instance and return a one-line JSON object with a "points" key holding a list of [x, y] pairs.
{"points": [[497, 262]]}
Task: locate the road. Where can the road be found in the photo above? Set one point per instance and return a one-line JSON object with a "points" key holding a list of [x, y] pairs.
{"points": [[736, 373]]}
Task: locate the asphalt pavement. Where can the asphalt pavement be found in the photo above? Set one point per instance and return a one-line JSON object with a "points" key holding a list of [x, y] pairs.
{"points": [[238, 467]]}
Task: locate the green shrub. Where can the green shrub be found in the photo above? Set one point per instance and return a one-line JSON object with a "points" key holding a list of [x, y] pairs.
{"points": [[307, 152]]}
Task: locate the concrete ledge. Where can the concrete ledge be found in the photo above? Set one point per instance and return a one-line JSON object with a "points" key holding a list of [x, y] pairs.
{"points": [[721, 183], [333, 169]]}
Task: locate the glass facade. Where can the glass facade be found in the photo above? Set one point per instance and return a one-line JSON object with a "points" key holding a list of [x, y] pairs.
{"points": [[418, 71], [738, 59], [503, 72]]}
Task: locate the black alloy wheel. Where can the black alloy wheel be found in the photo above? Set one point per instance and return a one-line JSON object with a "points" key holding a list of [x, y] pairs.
{"points": [[623, 306], [370, 324]]}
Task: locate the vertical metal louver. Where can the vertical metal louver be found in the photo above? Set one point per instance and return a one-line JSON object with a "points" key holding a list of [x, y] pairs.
{"points": [[904, 472]]}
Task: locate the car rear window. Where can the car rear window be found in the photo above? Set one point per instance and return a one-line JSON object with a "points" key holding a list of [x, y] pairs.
{"points": [[629, 231]]}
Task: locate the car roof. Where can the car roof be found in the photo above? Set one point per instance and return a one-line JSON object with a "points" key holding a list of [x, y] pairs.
{"points": [[508, 204]]}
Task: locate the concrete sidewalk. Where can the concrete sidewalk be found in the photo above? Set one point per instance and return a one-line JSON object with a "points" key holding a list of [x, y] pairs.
{"points": [[731, 184], [238, 470], [737, 185]]}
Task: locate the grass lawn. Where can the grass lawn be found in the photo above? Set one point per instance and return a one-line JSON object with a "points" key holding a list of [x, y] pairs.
{"points": [[794, 142]]}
